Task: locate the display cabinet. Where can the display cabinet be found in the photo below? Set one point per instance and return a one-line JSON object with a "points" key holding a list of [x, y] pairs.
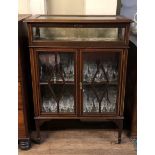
{"points": [[78, 67]]}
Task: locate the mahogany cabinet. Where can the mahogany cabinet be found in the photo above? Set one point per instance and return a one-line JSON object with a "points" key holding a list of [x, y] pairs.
{"points": [[23, 84], [78, 67]]}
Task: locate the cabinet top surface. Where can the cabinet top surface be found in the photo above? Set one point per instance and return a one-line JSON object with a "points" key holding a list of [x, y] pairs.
{"points": [[23, 16], [78, 18]]}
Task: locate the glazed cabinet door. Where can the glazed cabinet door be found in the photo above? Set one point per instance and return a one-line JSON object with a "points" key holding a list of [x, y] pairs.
{"points": [[55, 71], [100, 82]]}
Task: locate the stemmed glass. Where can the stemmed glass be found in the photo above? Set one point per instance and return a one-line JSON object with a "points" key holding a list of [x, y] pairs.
{"points": [[115, 72], [85, 72], [66, 72], [71, 72], [110, 71], [85, 98], [67, 104], [46, 105], [61, 104], [89, 73], [104, 105], [95, 105], [88, 103], [71, 105], [92, 69], [89, 70], [53, 105], [100, 76]]}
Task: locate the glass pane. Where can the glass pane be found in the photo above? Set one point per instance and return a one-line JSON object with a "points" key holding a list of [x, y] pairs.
{"points": [[101, 99], [108, 103], [58, 100], [101, 67], [76, 17], [100, 82], [56, 67], [57, 82], [78, 34], [90, 103]]}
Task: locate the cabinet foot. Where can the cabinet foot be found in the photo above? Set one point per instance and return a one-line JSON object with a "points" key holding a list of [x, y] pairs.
{"points": [[24, 144]]}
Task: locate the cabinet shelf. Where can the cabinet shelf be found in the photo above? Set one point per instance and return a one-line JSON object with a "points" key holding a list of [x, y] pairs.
{"points": [[58, 83], [101, 83]]}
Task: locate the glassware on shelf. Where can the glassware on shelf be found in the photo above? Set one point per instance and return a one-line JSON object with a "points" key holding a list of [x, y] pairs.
{"points": [[85, 72], [89, 71], [112, 71], [108, 103], [54, 66], [90, 103], [66, 104], [115, 74], [58, 97], [93, 69], [49, 105], [46, 105], [100, 77], [53, 105], [71, 72], [86, 102], [105, 69], [105, 66], [68, 71], [71, 101], [95, 105], [62, 105], [104, 105]]}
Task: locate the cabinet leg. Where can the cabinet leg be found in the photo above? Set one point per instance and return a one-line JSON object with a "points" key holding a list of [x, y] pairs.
{"points": [[38, 139], [119, 124], [24, 144]]}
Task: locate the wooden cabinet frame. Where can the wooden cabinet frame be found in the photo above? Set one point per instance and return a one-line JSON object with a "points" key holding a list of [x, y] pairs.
{"points": [[79, 48]]}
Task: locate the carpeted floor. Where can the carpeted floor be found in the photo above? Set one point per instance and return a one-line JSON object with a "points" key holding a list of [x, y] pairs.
{"points": [[81, 142]]}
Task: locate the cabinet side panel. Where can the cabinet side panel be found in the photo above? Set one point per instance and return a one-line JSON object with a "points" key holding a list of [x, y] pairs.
{"points": [[124, 61], [34, 84], [21, 125]]}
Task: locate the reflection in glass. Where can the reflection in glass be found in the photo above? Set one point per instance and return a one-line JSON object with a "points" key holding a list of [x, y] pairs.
{"points": [[100, 82], [106, 96], [56, 67], [102, 72], [78, 34], [61, 100], [66, 104], [90, 103]]}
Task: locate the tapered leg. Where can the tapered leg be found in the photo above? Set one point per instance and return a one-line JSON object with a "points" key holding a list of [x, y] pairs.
{"points": [[120, 130], [119, 124], [38, 139]]}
